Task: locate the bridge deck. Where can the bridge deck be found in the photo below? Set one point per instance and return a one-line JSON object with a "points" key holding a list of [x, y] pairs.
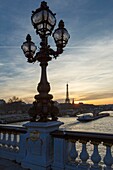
{"points": [[9, 165]]}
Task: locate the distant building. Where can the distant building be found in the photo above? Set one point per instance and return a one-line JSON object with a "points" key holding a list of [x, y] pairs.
{"points": [[67, 100]]}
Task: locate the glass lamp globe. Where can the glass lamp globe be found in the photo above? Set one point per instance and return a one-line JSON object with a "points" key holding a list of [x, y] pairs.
{"points": [[61, 35], [43, 20], [28, 47]]}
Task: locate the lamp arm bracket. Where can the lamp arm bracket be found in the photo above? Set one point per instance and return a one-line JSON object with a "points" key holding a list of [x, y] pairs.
{"points": [[55, 53]]}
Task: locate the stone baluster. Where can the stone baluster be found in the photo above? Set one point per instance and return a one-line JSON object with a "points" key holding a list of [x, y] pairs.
{"points": [[73, 154], [15, 143], [95, 157], [84, 156], [108, 159], [9, 142], [18, 139], [3, 139]]}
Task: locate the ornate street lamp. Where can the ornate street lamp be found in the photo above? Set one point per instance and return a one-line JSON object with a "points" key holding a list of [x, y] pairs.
{"points": [[44, 21]]}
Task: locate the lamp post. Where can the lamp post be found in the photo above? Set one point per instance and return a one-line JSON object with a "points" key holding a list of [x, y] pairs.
{"points": [[44, 21]]}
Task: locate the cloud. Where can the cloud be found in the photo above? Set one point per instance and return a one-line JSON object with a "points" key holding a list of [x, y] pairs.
{"points": [[98, 95], [86, 64]]}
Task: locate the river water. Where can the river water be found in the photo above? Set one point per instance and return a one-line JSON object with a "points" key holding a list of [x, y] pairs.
{"points": [[103, 125]]}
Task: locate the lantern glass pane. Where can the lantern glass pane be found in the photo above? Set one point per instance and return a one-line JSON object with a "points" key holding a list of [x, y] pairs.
{"points": [[37, 18], [58, 35], [25, 47], [65, 35], [48, 27], [51, 19], [40, 26], [33, 47]]}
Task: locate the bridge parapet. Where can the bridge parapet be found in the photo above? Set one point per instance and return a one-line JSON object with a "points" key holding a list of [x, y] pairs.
{"points": [[75, 150], [43, 146]]}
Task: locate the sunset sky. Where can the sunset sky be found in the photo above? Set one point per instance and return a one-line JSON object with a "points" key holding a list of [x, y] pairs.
{"points": [[86, 64]]}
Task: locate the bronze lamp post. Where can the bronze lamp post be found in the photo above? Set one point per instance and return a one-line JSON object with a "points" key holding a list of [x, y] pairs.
{"points": [[44, 21]]}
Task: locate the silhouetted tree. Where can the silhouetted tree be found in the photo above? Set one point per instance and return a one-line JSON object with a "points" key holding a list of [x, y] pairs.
{"points": [[14, 99]]}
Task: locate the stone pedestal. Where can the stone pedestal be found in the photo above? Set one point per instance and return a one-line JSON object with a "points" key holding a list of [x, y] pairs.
{"points": [[39, 145]]}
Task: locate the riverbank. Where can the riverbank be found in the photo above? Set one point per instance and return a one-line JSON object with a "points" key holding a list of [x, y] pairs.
{"points": [[13, 118]]}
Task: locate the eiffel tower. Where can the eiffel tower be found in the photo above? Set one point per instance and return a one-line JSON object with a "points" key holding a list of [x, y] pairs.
{"points": [[67, 100]]}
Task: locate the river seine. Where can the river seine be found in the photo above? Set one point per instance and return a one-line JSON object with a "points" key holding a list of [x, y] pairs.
{"points": [[103, 125]]}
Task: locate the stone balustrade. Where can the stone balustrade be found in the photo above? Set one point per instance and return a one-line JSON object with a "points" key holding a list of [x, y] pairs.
{"points": [[12, 141], [42, 146], [82, 150]]}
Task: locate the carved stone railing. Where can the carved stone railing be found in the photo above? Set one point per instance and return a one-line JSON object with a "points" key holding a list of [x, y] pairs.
{"points": [[12, 142], [82, 150], [42, 146]]}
